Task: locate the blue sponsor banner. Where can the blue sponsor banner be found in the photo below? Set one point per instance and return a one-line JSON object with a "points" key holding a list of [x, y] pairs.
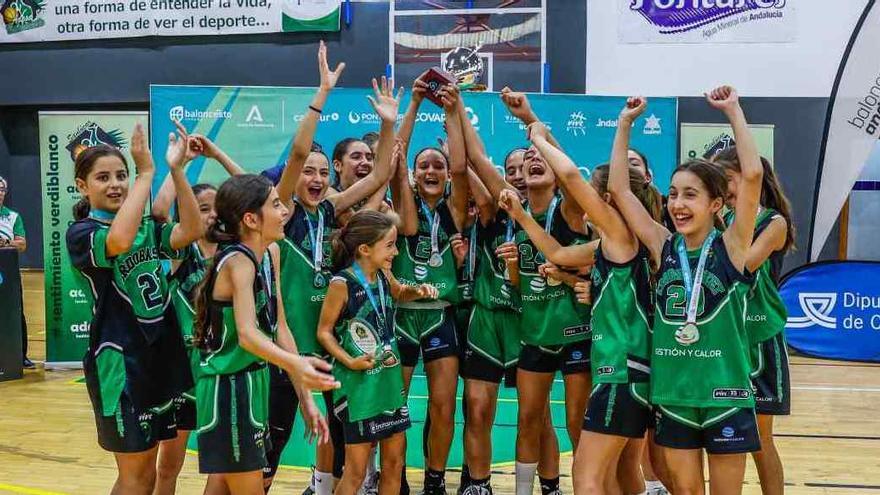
{"points": [[834, 310], [255, 125]]}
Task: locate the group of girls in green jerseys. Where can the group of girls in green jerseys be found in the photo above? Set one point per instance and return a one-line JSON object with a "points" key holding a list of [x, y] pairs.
{"points": [[661, 314]]}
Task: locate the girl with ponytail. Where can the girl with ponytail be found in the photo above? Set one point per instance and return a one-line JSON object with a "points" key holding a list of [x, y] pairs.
{"points": [[136, 363], [240, 326], [774, 237], [357, 329]]}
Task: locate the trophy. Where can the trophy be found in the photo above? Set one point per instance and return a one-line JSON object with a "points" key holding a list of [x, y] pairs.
{"points": [[463, 67]]}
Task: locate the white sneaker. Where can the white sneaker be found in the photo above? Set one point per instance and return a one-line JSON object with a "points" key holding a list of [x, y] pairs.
{"points": [[370, 485], [660, 490]]}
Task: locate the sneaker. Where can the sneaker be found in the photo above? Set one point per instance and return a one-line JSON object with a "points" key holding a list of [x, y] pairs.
{"points": [[28, 364], [371, 485], [477, 490], [660, 490], [440, 490]]}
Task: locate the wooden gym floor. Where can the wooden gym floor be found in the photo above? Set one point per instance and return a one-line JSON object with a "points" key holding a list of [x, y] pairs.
{"points": [[830, 445]]}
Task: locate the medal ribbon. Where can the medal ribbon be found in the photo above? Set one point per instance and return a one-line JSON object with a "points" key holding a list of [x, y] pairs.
{"points": [[692, 286], [381, 314], [548, 221], [317, 238], [434, 220], [472, 251]]}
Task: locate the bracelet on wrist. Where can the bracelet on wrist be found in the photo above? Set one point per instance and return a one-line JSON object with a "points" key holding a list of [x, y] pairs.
{"points": [[316, 110]]}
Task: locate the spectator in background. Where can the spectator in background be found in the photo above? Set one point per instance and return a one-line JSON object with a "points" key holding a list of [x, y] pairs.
{"points": [[12, 236]]}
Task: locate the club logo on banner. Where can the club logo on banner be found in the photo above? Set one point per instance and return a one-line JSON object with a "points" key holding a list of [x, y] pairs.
{"points": [[699, 21], [834, 310], [256, 125]]}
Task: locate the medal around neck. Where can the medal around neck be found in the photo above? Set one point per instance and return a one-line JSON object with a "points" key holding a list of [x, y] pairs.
{"points": [[320, 281], [466, 64], [435, 260], [389, 360], [688, 334]]}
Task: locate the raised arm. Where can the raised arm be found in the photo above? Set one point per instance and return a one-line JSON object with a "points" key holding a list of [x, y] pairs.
{"points": [[125, 225], [577, 255], [305, 133], [479, 159], [385, 104], [651, 233], [518, 105], [419, 89], [738, 238], [486, 204], [190, 227], [402, 197], [209, 149], [772, 239], [619, 241], [458, 198]]}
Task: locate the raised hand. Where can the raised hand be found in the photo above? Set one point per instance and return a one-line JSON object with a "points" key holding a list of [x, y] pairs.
{"points": [[724, 98], [362, 363], [200, 145], [518, 105], [427, 291], [419, 88], [635, 106], [385, 103], [535, 130], [179, 151], [509, 201], [311, 373], [449, 96], [140, 151], [328, 78]]}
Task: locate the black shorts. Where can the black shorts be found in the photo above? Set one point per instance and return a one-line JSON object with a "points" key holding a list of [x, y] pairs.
{"points": [[129, 431], [475, 366], [373, 429], [771, 382], [440, 342], [185, 412], [619, 409], [166, 421], [232, 430], [718, 430], [283, 403], [569, 359]]}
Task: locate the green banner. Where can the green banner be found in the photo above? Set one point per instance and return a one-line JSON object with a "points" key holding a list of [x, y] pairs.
{"points": [[705, 140], [63, 135]]}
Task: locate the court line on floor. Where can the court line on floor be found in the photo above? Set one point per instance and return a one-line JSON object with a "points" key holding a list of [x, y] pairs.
{"points": [[26, 490]]}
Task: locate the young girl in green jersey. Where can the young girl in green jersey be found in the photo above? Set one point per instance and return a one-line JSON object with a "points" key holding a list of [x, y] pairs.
{"points": [[183, 281], [699, 362], [239, 327], [305, 254], [493, 344], [136, 363], [618, 413], [356, 328], [765, 321], [430, 215]]}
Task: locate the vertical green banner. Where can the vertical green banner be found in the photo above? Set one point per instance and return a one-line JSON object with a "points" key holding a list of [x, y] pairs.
{"points": [[705, 140], [63, 135]]}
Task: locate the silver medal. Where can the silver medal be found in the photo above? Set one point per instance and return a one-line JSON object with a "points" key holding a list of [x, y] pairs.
{"points": [[688, 334], [435, 260], [320, 281]]}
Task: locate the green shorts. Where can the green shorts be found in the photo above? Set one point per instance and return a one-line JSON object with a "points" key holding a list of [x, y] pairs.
{"points": [[493, 335], [232, 415], [427, 332]]}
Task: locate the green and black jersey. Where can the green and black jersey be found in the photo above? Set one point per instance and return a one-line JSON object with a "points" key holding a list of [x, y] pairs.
{"points": [[413, 265], [361, 330], [491, 290], [303, 297], [621, 319], [766, 314], [714, 370], [551, 314], [221, 353], [134, 345]]}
